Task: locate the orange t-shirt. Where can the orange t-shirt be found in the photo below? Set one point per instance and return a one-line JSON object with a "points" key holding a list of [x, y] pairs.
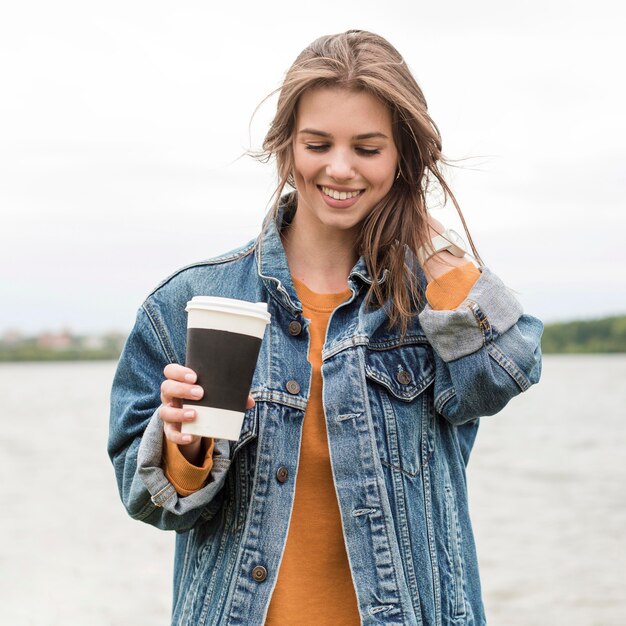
{"points": [[314, 583]]}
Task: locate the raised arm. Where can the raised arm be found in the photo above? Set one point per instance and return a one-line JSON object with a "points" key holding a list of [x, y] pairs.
{"points": [[486, 350]]}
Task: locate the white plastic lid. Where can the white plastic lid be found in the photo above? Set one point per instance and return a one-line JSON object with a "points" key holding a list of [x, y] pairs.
{"points": [[230, 306]]}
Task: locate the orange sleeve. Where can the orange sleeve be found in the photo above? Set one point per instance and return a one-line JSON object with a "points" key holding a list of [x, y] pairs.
{"points": [[185, 476], [451, 288]]}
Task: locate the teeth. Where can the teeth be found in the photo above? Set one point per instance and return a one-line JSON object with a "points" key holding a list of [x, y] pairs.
{"points": [[339, 195]]}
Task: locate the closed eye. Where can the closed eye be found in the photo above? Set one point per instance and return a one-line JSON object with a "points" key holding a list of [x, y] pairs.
{"points": [[316, 147], [323, 147]]}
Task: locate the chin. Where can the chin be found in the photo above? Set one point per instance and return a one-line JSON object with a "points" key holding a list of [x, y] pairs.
{"points": [[342, 223]]}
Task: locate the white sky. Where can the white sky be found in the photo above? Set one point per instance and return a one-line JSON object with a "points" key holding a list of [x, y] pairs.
{"points": [[121, 124]]}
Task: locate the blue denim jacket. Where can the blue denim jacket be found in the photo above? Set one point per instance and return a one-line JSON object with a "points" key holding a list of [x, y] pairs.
{"points": [[401, 414]]}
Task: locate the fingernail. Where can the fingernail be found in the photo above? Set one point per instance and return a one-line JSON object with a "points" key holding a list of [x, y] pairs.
{"points": [[190, 378], [189, 414], [186, 438], [196, 391]]}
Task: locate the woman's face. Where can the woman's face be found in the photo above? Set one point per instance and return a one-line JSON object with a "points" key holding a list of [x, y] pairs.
{"points": [[345, 158]]}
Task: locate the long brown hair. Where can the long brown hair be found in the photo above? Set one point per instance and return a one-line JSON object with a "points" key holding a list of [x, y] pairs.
{"points": [[362, 61]]}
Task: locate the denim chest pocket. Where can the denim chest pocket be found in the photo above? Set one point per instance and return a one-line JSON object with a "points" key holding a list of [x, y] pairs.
{"points": [[397, 378]]}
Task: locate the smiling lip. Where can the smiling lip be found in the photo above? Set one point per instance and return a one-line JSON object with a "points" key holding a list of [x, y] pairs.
{"points": [[339, 203]]}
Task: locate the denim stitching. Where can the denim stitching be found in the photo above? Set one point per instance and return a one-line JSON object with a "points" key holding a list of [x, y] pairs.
{"points": [[208, 262], [160, 499], [350, 342], [279, 285], [282, 398], [374, 452], [481, 318], [412, 391], [409, 340], [443, 398], [145, 511], [509, 366], [160, 332], [397, 468]]}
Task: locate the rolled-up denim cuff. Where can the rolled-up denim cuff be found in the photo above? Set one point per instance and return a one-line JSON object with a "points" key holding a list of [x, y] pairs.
{"points": [[488, 310], [162, 492]]}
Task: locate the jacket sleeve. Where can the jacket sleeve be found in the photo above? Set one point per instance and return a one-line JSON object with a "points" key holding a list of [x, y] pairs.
{"points": [[486, 351], [135, 443]]}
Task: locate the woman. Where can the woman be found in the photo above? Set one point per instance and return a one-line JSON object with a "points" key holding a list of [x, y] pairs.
{"points": [[344, 499]]}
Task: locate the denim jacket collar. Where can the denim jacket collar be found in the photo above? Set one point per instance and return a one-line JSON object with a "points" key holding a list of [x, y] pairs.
{"points": [[272, 265]]}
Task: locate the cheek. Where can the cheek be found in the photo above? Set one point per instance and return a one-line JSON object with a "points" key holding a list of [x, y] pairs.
{"points": [[384, 174], [303, 165]]}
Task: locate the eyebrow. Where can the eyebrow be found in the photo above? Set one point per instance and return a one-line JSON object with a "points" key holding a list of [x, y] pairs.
{"points": [[321, 133]]}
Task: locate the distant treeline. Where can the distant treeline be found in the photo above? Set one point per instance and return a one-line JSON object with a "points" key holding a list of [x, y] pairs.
{"points": [[61, 347], [581, 337], [24, 353], [584, 337]]}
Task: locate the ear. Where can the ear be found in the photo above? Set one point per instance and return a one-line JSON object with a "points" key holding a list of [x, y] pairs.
{"points": [[289, 167]]}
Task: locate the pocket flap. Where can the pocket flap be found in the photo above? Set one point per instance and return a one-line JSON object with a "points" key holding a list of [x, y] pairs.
{"points": [[404, 370]]}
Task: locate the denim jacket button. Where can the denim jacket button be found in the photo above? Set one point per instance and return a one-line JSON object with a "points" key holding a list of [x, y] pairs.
{"points": [[259, 573], [403, 377], [293, 387], [282, 474], [295, 328]]}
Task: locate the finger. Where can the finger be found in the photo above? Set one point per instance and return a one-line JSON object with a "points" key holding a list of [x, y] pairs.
{"points": [[171, 389], [183, 374], [172, 432], [250, 403], [176, 414]]}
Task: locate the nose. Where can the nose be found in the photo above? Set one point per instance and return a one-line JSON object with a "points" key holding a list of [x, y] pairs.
{"points": [[340, 166]]}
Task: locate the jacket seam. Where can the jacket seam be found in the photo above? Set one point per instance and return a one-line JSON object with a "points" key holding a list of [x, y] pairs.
{"points": [[443, 398], [160, 332], [273, 296], [279, 286], [237, 254], [278, 397], [351, 342], [410, 394], [397, 468], [509, 366], [409, 340], [394, 573], [481, 319], [145, 511]]}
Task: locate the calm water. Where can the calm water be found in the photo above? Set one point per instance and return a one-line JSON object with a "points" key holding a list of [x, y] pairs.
{"points": [[546, 484]]}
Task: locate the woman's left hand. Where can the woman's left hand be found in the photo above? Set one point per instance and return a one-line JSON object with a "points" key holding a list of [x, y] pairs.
{"points": [[443, 261]]}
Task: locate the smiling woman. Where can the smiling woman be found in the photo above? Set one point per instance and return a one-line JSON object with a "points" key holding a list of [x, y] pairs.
{"points": [[345, 160], [343, 500], [351, 99]]}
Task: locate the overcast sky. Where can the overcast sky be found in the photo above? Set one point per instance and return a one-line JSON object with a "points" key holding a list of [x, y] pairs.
{"points": [[122, 124]]}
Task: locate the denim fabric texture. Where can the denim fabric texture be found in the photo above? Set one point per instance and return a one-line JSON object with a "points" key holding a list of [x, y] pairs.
{"points": [[401, 414]]}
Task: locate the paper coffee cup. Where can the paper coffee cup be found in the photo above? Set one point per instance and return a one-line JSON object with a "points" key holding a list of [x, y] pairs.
{"points": [[223, 342]]}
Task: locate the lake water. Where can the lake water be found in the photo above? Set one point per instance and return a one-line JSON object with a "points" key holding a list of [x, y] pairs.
{"points": [[546, 483]]}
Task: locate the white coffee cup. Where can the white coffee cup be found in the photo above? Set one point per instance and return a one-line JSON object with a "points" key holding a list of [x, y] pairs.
{"points": [[223, 342]]}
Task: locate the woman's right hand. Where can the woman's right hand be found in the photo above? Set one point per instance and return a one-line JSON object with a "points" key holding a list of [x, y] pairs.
{"points": [[179, 385]]}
